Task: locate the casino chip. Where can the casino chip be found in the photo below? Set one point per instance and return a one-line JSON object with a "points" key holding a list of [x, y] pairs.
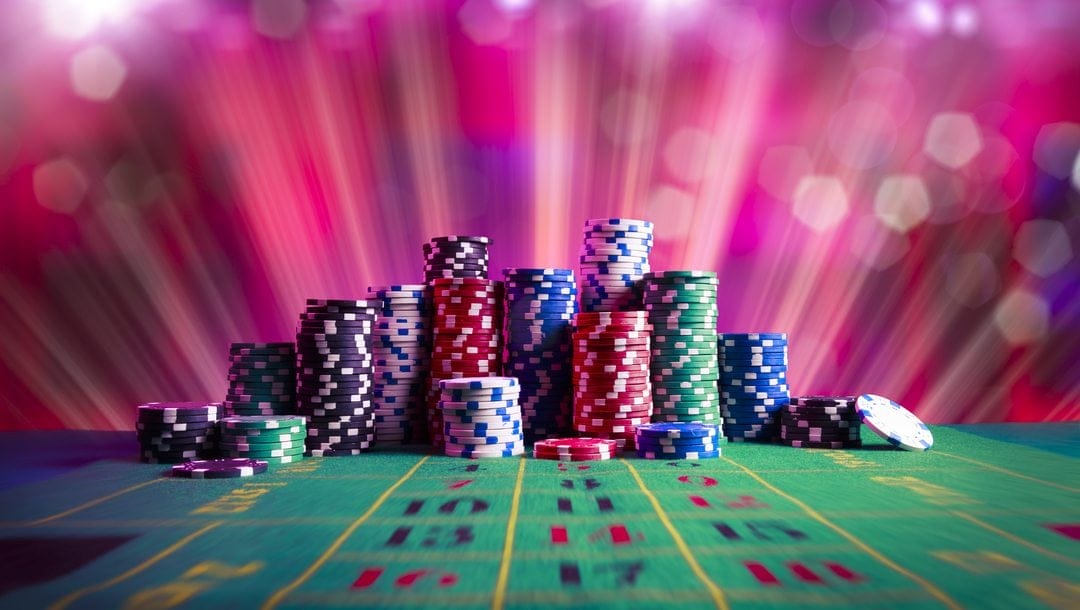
{"points": [[614, 255], [894, 423], [480, 417], [682, 304], [335, 359], [678, 441], [227, 468], [402, 359], [538, 307], [170, 432], [466, 342], [753, 385], [578, 449], [262, 379], [610, 374]]}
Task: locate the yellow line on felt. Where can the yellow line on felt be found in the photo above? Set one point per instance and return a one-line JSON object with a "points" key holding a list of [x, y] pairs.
{"points": [[92, 503], [179, 544], [1006, 471], [1014, 538], [930, 587], [684, 550], [508, 546], [280, 594]]}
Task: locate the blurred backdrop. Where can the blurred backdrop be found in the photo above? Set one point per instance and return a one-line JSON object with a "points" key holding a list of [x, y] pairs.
{"points": [[894, 183]]}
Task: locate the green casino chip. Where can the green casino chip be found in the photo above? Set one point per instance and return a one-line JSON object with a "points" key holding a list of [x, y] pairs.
{"points": [[262, 422], [676, 274]]}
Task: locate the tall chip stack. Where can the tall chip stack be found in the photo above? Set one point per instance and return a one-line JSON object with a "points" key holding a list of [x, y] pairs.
{"points": [[613, 259], [402, 360], [467, 338], [334, 367], [450, 256], [612, 393], [262, 379], [539, 309], [753, 384], [682, 310], [481, 417], [171, 432]]}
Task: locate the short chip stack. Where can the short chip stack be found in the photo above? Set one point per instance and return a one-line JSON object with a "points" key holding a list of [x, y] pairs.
{"points": [[402, 361], [262, 379], [614, 256], [171, 432], [678, 441], [539, 308], [820, 422], [579, 449], [277, 439], [481, 417], [682, 308], [334, 365], [467, 337], [456, 256], [612, 394], [753, 384]]}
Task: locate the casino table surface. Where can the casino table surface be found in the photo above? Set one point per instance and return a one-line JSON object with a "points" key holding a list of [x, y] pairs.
{"points": [[989, 518]]}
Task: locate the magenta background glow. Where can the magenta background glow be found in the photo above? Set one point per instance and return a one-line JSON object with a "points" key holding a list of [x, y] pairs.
{"points": [[895, 184]]}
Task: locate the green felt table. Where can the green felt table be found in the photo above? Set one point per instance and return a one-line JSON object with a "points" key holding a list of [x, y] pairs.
{"points": [[989, 518]]}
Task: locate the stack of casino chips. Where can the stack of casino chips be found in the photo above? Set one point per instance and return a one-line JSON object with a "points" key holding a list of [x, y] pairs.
{"points": [[613, 258], [171, 432], [612, 393], [580, 449], [402, 360], [753, 384], [539, 308], [466, 337], [456, 256], [334, 367], [262, 379], [682, 308], [678, 441], [481, 417], [277, 439], [821, 422]]}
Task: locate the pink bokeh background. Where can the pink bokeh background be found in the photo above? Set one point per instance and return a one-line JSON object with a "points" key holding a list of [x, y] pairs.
{"points": [[895, 184]]}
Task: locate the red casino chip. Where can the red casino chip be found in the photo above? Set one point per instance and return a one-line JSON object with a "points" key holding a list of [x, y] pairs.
{"points": [[443, 282], [606, 317]]}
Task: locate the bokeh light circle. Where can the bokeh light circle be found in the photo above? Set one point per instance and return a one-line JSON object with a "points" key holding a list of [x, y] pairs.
{"points": [[1022, 317], [1042, 247], [60, 185], [820, 202]]}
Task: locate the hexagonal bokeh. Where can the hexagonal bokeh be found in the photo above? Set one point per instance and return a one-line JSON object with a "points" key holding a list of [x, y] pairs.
{"points": [[1022, 317], [820, 202], [1042, 247], [953, 139], [1056, 148], [60, 185], [97, 73], [902, 202]]}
